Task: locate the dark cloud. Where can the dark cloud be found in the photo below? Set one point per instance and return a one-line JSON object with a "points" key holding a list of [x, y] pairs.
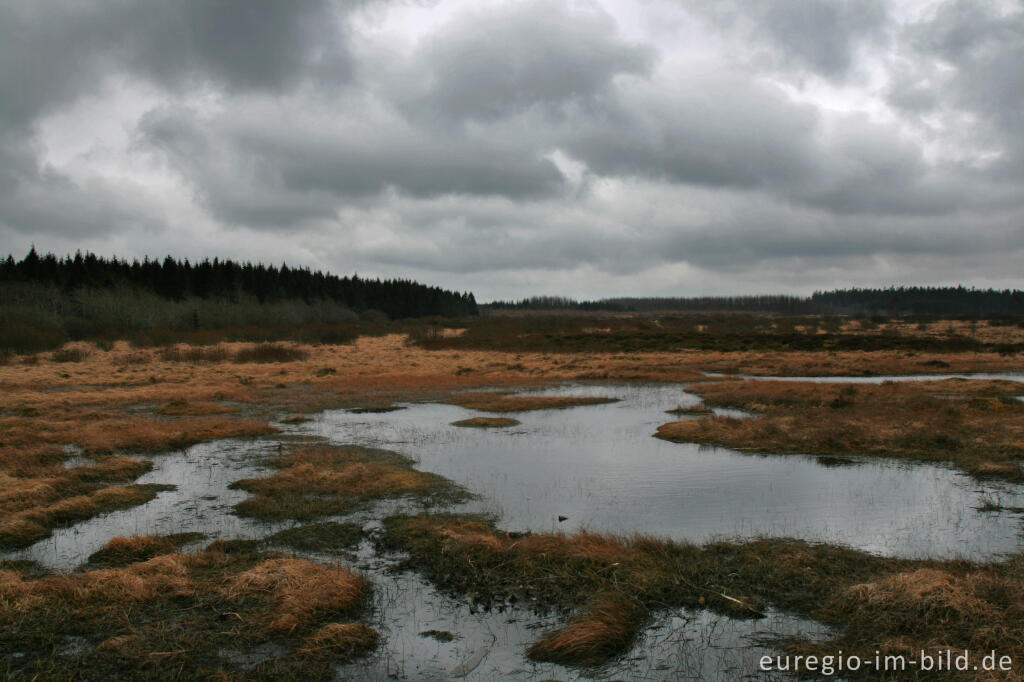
{"points": [[716, 129], [263, 174], [579, 138], [53, 51], [966, 60], [237, 44], [821, 35], [490, 65]]}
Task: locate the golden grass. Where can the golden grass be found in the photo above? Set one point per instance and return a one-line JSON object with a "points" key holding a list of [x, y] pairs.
{"points": [[340, 640], [26, 526], [322, 480], [121, 551], [185, 609], [179, 408], [500, 402], [977, 425], [486, 422], [692, 410], [604, 630], [110, 401], [301, 591], [159, 578]]}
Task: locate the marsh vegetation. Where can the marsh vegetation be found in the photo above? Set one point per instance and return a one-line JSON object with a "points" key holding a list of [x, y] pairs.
{"points": [[582, 536]]}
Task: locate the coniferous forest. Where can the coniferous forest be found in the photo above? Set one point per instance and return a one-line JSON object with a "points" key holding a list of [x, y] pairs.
{"points": [[889, 301], [46, 300]]}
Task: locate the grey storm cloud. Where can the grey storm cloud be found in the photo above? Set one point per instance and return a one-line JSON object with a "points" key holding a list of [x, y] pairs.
{"points": [[454, 139], [491, 65], [56, 50], [821, 35]]}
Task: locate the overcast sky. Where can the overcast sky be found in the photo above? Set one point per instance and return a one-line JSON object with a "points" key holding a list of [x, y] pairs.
{"points": [[516, 147]]}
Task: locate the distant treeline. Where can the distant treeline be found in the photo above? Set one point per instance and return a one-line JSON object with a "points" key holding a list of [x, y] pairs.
{"points": [[177, 280], [46, 301], [925, 300], [892, 301]]}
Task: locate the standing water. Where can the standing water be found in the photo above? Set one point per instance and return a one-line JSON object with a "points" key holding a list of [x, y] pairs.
{"points": [[600, 469]]}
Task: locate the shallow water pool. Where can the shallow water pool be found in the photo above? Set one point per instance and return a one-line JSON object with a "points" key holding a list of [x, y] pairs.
{"points": [[600, 468]]}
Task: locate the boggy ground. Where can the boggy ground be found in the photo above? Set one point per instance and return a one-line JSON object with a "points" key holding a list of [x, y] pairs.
{"points": [[608, 587], [976, 425], [324, 480], [94, 408], [225, 613]]}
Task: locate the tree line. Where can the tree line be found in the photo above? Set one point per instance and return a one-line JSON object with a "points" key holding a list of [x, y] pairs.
{"points": [[925, 300], [889, 301], [178, 280]]}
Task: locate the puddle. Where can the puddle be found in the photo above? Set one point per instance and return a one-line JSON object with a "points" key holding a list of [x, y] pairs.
{"points": [[599, 467]]}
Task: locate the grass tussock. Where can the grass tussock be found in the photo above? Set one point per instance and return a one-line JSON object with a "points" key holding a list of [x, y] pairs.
{"points": [[194, 354], [173, 616], [70, 353], [340, 640], [271, 352], [178, 408], [698, 410], [486, 422], [610, 584], [25, 527], [122, 551], [604, 630], [300, 590], [319, 481], [319, 537], [501, 402], [976, 425]]}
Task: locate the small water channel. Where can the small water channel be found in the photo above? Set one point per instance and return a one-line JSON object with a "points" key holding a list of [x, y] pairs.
{"points": [[201, 502]]}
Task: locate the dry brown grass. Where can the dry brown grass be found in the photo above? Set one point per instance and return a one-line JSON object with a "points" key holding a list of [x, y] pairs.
{"points": [[301, 591], [27, 525], [337, 640], [178, 408], [323, 480], [976, 425], [501, 402], [699, 410], [137, 618], [159, 578], [852, 363], [121, 551], [978, 609], [486, 422], [604, 630]]}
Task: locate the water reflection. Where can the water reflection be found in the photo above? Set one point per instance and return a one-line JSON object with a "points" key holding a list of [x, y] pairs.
{"points": [[599, 467], [200, 503]]}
